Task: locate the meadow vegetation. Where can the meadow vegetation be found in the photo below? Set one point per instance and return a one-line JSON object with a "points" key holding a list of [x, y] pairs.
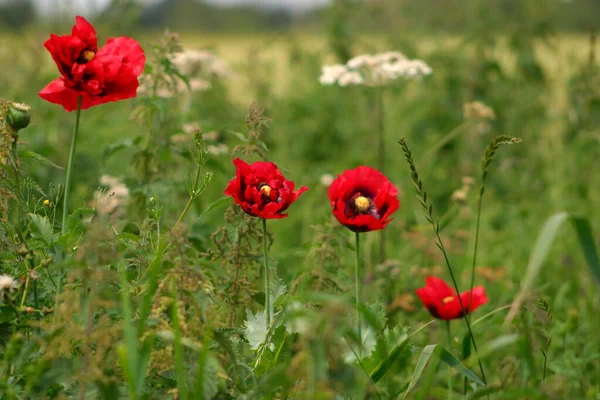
{"points": [[154, 287]]}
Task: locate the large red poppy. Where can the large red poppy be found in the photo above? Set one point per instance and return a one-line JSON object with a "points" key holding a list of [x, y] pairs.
{"points": [[442, 302], [363, 199], [262, 190], [98, 76]]}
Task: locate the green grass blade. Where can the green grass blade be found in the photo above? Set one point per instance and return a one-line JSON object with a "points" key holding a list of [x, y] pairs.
{"points": [[542, 248], [151, 274], [128, 354], [437, 352], [389, 360], [179, 356]]}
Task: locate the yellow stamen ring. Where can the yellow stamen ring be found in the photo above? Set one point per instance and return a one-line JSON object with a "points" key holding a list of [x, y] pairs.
{"points": [[88, 55], [266, 190], [362, 204]]}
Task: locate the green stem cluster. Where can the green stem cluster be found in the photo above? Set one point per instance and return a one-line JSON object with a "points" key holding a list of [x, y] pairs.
{"points": [[422, 195]]}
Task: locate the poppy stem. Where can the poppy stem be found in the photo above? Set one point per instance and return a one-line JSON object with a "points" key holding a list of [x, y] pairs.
{"points": [[450, 350], [357, 290], [379, 106], [267, 285], [70, 168]]}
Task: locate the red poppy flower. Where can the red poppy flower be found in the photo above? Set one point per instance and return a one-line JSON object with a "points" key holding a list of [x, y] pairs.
{"points": [[363, 199], [442, 302], [98, 76], [262, 190]]}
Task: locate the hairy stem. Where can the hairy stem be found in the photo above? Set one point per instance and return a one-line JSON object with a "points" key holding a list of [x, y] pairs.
{"points": [[357, 291], [381, 156], [193, 195], [70, 168], [267, 283], [449, 349]]}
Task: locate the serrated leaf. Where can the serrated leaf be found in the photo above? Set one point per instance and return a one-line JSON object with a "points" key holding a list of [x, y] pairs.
{"points": [[255, 328], [27, 154], [41, 229]]}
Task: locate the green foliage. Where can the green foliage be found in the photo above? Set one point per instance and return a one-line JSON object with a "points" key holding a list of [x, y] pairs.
{"points": [[161, 283]]}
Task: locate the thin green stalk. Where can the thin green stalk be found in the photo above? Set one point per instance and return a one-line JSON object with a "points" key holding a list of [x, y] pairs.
{"points": [[422, 196], [70, 168], [15, 156], [357, 291], [450, 350], [193, 195], [26, 290], [267, 283], [490, 150], [380, 112], [479, 203]]}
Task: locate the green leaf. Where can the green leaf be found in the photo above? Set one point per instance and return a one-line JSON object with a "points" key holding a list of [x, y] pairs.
{"points": [[387, 363], [75, 219], [439, 353], [256, 329], [389, 360], [543, 245], [24, 154], [41, 229], [240, 136], [114, 148], [223, 201], [507, 393]]}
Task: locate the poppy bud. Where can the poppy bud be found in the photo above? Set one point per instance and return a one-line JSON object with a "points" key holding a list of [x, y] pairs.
{"points": [[18, 116]]}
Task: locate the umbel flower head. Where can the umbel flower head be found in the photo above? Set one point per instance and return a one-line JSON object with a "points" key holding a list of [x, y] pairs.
{"points": [[363, 199], [97, 75], [7, 285], [373, 70], [262, 190], [442, 302]]}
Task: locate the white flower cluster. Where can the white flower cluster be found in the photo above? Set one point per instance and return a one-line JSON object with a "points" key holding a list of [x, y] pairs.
{"points": [[373, 70], [7, 283], [195, 62], [199, 66]]}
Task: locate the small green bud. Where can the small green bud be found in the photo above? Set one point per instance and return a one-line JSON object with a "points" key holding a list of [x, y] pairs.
{"points": [[18, 116]]}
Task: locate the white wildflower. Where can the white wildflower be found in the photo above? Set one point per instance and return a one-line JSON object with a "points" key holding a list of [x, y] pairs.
{"points": [[7, 283], [217, 150], [374, 70], [331, 73], [195, 62], [326, 179], [199, 85], [350, 78], [116, 196]]}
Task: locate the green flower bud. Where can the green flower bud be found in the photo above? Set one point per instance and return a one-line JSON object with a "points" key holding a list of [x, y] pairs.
{"points": [[18, 116]]}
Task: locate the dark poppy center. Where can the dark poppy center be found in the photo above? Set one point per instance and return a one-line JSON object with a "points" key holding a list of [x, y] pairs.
{"points": [[86, 56], [361, 204]]}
